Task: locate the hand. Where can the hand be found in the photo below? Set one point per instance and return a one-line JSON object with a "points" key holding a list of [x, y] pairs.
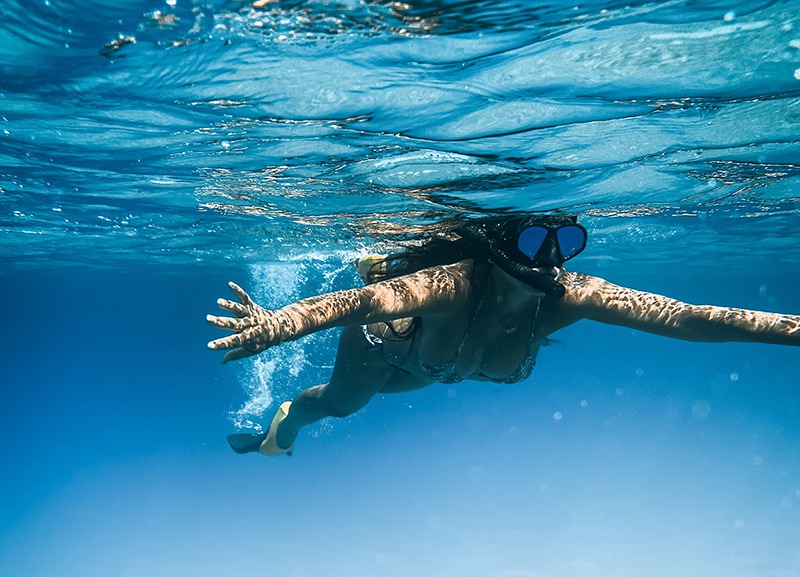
{"points": [[256, 329]]}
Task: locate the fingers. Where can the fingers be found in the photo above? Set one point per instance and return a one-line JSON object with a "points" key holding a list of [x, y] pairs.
{"points": [[238, 309], [220, 344], [240, 293], [227, 323], [244, 342], [228, 342], [247, 338]]}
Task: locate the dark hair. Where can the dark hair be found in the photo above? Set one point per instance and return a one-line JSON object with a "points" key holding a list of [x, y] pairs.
{"points": [[452, 244]]}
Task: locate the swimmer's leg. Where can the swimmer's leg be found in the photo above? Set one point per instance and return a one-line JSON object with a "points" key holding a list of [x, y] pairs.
{"points": [[360, 371]]}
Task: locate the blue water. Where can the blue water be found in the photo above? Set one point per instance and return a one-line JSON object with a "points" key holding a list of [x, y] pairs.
{"points": [[273, 146]]}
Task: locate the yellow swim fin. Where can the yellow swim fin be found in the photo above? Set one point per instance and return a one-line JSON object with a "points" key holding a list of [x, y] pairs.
{"points": [[270, 446], [246, 442], [371, 263]]}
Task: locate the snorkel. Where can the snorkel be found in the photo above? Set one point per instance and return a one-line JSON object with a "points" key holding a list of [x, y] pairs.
{"points": [[541, 282]]}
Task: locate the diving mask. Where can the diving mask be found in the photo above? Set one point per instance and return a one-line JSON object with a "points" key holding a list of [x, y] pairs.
{"points": [[536, 243], [525, 244]]}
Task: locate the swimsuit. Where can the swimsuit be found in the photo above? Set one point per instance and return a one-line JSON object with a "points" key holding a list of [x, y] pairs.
{"points": [[446, 373]]}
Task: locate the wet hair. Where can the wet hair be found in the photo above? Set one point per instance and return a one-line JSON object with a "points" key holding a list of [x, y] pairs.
{"points": [[465, 240]]}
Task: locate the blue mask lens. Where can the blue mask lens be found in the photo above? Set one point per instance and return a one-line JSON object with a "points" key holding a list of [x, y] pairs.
{"points": [[530, 240], [571, 240]]}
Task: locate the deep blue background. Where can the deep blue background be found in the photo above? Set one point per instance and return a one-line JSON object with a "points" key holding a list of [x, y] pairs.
{"points": [[114, 417]]}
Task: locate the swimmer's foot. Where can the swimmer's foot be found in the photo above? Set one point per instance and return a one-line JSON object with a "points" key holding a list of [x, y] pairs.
{"points": [[371, 263], [246, 442], [269, 446]]}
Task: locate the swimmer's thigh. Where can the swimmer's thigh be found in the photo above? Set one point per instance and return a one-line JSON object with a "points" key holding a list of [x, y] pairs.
{"points": [[403, 382], [359, 372]]}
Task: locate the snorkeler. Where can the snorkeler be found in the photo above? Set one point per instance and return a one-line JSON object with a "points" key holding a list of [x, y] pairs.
{"points": [[474, 303]]}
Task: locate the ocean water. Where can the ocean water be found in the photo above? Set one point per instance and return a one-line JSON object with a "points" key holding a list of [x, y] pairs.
{"points": [[152, 151]]}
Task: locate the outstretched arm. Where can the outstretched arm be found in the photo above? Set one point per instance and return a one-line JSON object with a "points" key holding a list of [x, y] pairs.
{"points": [[434, 290], [599, 300]]}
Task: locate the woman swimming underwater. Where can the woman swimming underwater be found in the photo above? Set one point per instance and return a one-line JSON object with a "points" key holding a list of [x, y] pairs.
{"points": [[474, 303]]}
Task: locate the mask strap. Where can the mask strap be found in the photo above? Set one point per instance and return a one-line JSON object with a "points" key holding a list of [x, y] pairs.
{"points": [[541, 282]]}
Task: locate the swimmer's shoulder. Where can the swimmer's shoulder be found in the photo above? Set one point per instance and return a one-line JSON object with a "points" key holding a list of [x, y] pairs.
{"points": [[579, 298]]}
